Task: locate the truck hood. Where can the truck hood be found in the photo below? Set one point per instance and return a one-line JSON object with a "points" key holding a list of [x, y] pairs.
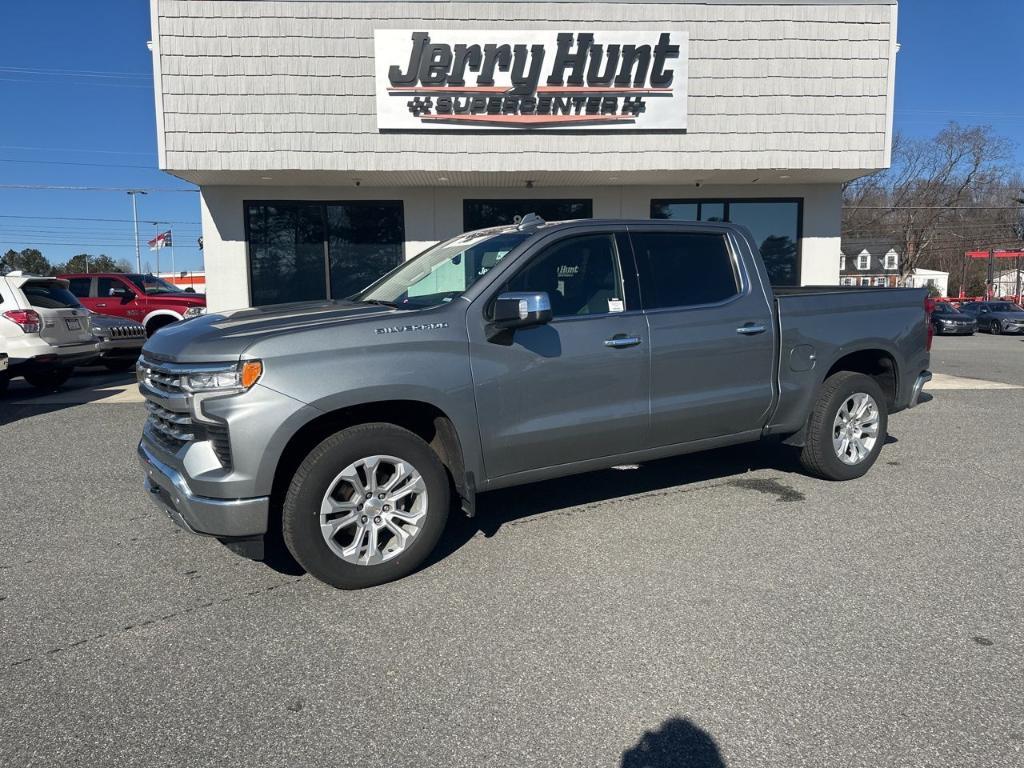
{"points": [[226, 335], [184, 298]]}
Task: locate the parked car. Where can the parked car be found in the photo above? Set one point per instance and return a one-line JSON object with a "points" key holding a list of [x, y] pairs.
{"points": [[144, 298], [948, 320], [996, 316], [502, 357], [121, 341], [45, 330]]}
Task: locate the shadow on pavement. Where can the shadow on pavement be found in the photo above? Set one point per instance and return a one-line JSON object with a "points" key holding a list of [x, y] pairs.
{"points": [[678, 743], [22, 401], [497, 508]]}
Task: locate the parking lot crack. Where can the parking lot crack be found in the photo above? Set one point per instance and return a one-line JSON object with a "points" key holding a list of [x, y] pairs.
{"points": [[127, 628]]}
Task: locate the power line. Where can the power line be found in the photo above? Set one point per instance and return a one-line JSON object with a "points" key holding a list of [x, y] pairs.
{"points": [[79, 218], [79, 84], [76, 149], [931, 207], [68, 162], [68, 188], [75, 72]]}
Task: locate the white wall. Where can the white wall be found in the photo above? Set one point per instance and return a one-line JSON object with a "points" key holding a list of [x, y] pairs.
{"points": [[433, 214]]}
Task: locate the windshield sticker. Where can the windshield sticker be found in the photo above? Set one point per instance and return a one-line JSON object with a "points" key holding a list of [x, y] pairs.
{"points": [[616, 305]]}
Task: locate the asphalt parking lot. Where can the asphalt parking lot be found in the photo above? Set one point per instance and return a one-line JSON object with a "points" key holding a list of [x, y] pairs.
{"points": [[713, 610]]}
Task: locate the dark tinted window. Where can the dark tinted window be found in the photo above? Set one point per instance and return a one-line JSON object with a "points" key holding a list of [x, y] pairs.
{"points": [[106, 285], [303, 251], [364, 241], [478, 214], [679, 269], [581, 275], [79, 286], [775, 225], [47, 295]]}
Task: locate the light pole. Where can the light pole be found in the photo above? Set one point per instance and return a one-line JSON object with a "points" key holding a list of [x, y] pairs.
{"points": [[135, 221]]}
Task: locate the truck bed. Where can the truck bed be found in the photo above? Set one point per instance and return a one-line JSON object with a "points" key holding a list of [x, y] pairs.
{"points": [[816, 326]]}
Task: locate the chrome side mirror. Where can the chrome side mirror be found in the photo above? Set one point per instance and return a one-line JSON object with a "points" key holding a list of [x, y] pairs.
{"points": [[522, 310]]}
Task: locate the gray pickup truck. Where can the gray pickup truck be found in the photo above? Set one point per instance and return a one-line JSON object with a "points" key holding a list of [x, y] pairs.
{"points": [[506, 356]]}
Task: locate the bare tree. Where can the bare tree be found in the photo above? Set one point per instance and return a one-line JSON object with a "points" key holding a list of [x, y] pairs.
{"points": [[941, 197]]}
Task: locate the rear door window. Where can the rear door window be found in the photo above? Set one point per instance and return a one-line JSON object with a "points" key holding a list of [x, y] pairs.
{"points": [[80, 286], [47, 295], [684, 269]]}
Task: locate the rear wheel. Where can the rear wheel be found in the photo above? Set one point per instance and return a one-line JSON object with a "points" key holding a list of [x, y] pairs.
{"points": [[367, 506], [847, 427], [48, 380]]}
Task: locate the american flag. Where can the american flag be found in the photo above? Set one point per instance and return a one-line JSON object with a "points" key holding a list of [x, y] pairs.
{"points": [[160, 241]]}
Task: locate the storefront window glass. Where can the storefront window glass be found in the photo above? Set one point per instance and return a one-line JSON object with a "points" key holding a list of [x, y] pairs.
{"points": [[305, 251], [478, 214], [775, 225]]}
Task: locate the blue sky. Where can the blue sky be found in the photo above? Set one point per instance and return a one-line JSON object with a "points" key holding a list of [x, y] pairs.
{"points": [[75, 82]]}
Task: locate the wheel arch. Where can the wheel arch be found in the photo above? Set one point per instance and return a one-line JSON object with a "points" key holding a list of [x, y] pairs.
{"points": [[875, 361], [426, 420], [158, 314]]}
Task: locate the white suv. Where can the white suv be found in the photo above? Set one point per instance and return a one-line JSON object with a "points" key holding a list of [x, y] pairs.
{"points": [[43, 329]]}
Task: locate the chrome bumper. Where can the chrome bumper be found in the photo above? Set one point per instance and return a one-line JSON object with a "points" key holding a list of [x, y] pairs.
{"points": [[915, 394], [224, 518]]}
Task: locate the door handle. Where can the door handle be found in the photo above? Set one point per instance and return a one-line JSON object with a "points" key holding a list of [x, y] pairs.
{"points": [[621, 340], [751, 329], [102, 304]]}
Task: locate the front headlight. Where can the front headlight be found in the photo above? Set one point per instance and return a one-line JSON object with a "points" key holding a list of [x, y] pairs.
{"points": [[194, 312], [220, 378], [238, 378]]}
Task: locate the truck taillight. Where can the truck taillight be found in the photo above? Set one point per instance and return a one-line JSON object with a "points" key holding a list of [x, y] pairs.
{"points": [[929, 307], [28, 319]]}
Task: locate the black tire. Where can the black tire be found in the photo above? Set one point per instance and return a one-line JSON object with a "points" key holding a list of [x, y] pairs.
{"points": [[301, 519], [157, 323], [49, 380], [819, 457], [120, 364], [994, 328], [5, 380]]}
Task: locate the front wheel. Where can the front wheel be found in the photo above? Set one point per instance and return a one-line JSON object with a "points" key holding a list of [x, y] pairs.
{"points": [[49, 380], [995, 328], [366, 506], [847, 427]]}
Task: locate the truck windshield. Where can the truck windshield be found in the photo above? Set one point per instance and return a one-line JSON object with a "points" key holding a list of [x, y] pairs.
{"points": [[150, 284], [443, 272]]}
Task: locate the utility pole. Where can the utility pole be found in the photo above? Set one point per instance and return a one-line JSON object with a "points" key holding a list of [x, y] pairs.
{"points": [[135, 221]]}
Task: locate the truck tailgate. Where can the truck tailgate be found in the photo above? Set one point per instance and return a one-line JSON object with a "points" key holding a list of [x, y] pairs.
{"points": [[817, 327]]}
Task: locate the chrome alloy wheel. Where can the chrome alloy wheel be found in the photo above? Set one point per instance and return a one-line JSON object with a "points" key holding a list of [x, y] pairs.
{"points": [[855, 429], [373, 510]]}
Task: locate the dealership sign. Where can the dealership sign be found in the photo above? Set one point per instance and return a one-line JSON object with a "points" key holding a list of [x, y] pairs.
{"points": [[530, 80]]}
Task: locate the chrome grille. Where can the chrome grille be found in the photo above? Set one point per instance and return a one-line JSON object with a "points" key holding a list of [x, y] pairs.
{"points": [[162, 380], [174, 429], [127, 332]]}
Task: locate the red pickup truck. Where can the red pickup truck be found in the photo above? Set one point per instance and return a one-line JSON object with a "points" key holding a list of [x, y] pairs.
{"points": [[145, 299]]}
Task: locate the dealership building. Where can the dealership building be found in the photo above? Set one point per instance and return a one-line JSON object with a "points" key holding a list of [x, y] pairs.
{"points": [[332, 139]]}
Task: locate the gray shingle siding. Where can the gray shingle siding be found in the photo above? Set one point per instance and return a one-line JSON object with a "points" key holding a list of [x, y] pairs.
{"points": [[256, 85]]}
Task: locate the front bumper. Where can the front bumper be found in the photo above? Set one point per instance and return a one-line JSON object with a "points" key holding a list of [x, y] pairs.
{"points": [[47, 362], [223, 518], [120, 349], [915, 394]]}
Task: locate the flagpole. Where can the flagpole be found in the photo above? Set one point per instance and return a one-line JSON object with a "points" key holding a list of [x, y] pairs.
{"points": [[171, 233]]}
